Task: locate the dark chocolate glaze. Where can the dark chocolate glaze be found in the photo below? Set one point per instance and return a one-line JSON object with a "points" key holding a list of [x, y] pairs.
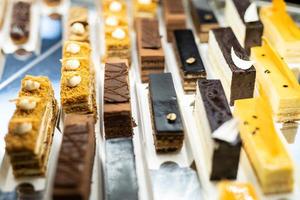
{"points": [[226, 155], [164, 101], [243, 81], [20, 24], [254, 30], [76, 158], [186, 48], [120, 177]]}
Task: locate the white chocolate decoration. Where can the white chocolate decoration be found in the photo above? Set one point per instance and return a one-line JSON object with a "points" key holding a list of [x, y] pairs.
{"points": [[115, 6], [111, 21], [227, 132], [23, 128], [251, 14], [78, 28], [145, 1], [73, 48], [118, 34], [26, 104], [74, 81], [31, 85], [72, 64], [240, 63]]}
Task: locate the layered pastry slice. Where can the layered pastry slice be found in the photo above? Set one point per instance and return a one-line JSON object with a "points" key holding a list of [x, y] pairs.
{"points": [[52, 3], [282, 32], [145, 8], [174, 16], [203, 18], [78, 26], [188, 58], [229, 190], [76, 158], [120, 170], [3, 6], [267, 154], [243, 18], [20, 21], [167, 125], [150, 51], [231, 64], [117, 107], [31, 127], [117, 43], [212, 115], [277, 83]]}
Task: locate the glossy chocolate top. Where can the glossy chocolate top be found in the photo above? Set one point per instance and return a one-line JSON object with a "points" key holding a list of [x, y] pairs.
{"points": [[164, 104], [116, 87], [188, 51], [215, 102], [150, 34]]}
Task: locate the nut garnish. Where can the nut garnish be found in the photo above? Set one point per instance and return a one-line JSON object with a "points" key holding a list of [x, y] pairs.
{"points": [[78, 28], [73, 48], [23, 128], [26, 104], [118, 34], [115, 6], [31, 85], [190, 60], [171, 117], [74, 81], [72, 64]]}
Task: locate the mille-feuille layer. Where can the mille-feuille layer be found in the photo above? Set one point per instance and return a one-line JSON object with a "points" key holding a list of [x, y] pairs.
{"points": [[282, 32], [145, 9], [277, 83], [78, 27], [231, 64], [268, 155], [29, 150], [230, 190], [248, 30]]}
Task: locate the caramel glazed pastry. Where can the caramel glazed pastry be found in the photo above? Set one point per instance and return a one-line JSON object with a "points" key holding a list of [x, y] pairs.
{"points": [[78, 79], [20, 22], [145, 8], [31, 127], [78, 26], [231, 190], [167, 124]]}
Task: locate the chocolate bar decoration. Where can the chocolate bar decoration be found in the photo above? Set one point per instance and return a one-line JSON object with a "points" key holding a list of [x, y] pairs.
{"points": [[150, 35], [225, 159], [20, 22], [254, 29], [120, 168], [188, 53], [76, 158], [116, 87], [167, 123]]}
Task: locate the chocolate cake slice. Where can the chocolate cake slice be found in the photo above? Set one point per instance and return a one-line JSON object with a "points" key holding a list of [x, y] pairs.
{"points": [[212, 113], [166, 117], [188, 59], [231, 64], [243, 18]]}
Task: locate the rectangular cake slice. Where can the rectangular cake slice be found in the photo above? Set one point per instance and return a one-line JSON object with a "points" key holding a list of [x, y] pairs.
{"points": [[266, 152], [282, 32], [150, 51], [120, 170], [231, 64], [174, 16], [203, 17], [188, 58], [277, 83], [76, 159], [20, 22], [212, 112], [167, 125], [31, 127], [78, 25], [117, 107], [242, 17]]}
